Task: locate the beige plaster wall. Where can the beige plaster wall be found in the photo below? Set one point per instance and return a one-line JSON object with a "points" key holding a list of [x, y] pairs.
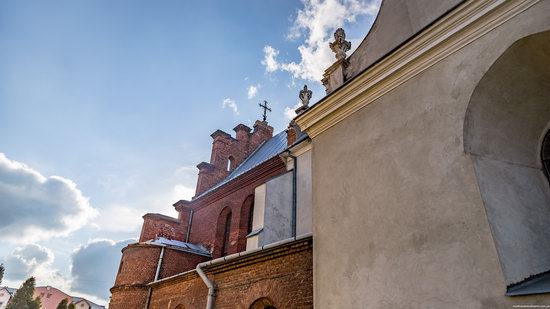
{"points": [[398, 217]]}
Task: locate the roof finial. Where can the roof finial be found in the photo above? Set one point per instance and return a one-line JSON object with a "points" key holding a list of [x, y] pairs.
{"points": [[340, 46], [305, 96], [265, 108]]}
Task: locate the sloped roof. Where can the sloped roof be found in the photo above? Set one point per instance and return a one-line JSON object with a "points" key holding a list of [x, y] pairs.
{"points": [[269, 149], [192, 248]]}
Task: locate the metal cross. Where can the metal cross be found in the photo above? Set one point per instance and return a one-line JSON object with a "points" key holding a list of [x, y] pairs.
{"points": [[264, 106]]}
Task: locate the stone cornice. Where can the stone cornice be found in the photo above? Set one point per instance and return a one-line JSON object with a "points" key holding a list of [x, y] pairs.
{"points": [[453, 31]]}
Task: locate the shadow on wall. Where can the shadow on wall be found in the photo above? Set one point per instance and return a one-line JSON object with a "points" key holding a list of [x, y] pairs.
{"points": [[505, 124]]}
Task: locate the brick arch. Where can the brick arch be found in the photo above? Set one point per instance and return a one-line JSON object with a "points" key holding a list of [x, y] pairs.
{"points": [[262, 303], [245, 220], [179, 307], [222, 243]]}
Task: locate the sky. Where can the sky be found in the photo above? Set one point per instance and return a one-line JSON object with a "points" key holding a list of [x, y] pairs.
{"points": [[106, 108]]}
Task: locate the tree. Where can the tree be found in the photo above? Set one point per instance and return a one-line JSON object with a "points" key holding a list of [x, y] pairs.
{"points": [[72, 306], [23, 297], [1, 272], [63, 304]]}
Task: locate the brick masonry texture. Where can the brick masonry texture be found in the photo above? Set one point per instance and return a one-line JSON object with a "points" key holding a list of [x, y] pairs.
{"points": [[283, 275], [163, 226]]}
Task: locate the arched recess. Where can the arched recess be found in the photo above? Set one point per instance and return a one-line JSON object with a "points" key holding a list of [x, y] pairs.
{"points": [[506, 121], [222, 245], [262, 303], [245, 220], [180, 307]]}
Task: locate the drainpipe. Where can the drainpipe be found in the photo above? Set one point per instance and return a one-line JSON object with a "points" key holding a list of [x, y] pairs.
{"points": [[294, 191], [189, 225], [211, 287], [157, 273]]}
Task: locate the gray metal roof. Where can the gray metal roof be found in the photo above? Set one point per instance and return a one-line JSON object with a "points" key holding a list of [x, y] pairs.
{"points": [[269, 149], [192, 248]]}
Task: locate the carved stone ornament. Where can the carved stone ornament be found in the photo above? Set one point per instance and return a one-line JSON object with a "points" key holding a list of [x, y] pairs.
{"points": [[340, 46], [305, 96]]}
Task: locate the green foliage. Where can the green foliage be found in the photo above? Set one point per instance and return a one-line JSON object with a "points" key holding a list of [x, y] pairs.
{"points": [[1, 272], [63, 304], [23, 297], [72, 306]]}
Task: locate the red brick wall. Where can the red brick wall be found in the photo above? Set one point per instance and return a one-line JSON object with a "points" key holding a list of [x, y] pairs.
{"points": [[206, 217], [175, 262], [284, 275], [225, 147], [159, 225]]}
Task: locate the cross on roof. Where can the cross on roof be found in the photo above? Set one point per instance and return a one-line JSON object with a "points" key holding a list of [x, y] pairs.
{"points": [[265, 108]]}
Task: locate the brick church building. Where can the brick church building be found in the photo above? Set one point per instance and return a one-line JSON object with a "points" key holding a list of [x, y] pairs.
{"points": [[243, 241], [431, 161]]}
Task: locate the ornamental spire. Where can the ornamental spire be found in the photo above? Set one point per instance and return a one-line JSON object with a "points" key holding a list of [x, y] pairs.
{"points": [[340, 46]]}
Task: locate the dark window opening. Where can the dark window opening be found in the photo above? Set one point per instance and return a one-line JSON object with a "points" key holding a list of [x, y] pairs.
{"points": [[226, 234]]}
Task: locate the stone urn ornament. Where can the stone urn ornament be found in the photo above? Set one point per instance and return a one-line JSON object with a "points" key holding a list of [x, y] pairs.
{"points": [[340, 46]]}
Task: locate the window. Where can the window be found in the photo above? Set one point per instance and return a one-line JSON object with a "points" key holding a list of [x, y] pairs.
{"points": [[223, 233], [262, 303], [226, 234], [230, 163], [245, 221]]}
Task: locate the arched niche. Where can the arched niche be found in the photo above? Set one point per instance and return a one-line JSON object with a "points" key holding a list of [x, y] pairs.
{"points": [[245, 221], [505, 124]]}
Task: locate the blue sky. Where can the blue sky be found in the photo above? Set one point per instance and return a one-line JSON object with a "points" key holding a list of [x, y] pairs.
{"points": [[107, 106]]}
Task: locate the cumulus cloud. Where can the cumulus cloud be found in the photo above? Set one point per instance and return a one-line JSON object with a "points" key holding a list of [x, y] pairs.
{"points": [[34, 207], [231, 104], [270, 59], [317, 22], [290, 112], [119, 218], [94, 266], [24, 261], [253, 91]]}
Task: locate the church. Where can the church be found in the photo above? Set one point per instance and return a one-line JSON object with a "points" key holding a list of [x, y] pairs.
{"points": [[421, 179]]}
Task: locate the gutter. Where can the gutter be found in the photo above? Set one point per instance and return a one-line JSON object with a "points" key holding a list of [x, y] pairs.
{"points": [[189, 222], [210, 284], [294, 191], [157, 273]]}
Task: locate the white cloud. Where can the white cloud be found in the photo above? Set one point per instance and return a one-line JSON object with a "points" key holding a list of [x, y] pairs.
{"points": [[231, 104], [119, 218], [24, 261], [290, 112], [317, 21], [96, 262], [270, 61], [253, 91], [34, 207]]}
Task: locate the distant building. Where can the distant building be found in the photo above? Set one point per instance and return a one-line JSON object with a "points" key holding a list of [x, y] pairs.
{"points": [[50, 297], [6, 294]]}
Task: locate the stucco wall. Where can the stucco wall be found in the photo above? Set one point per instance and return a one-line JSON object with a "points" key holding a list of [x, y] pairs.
{"points": [[303, 194], [278, 210], [399, 221]]}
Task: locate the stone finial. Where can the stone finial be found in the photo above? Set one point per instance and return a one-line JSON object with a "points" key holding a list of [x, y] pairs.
{"points": [[340, 46], [305, 96]]}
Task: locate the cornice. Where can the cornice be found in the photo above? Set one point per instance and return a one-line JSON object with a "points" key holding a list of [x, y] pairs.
{"points": [[458, 28]]}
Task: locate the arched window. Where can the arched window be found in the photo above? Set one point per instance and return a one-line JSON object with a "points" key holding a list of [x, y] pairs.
{"points": [[180, 307], [262, 303], [226, 234], [545, 155], [230, 163], [246, 220], [223, 233]]}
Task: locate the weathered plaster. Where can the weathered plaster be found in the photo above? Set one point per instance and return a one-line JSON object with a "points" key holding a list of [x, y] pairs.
{"points": [[399, 221]]}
